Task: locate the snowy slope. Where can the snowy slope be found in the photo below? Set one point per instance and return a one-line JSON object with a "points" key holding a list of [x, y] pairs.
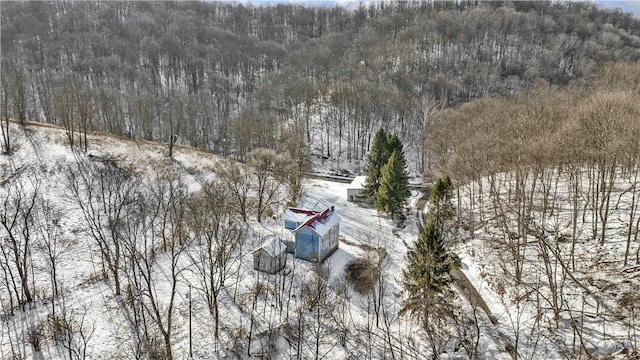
{"points": [[596, 295], [274, 315], [275, 321]]}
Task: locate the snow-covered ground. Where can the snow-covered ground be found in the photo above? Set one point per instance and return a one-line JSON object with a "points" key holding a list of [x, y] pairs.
{"points": [[595, 295], [274, 314], [348, 327]]}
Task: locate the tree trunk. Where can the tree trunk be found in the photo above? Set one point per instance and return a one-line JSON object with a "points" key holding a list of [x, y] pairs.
{"points": [[633, 208], [606, 188]]}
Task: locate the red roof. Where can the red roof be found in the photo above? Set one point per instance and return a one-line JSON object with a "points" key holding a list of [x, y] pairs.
{"points": [[321, 216], [321, 222], [303, 211]]}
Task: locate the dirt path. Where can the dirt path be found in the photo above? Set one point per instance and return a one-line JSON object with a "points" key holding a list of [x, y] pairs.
{"points": [[35, 145], [471, 293], [473, 296]]}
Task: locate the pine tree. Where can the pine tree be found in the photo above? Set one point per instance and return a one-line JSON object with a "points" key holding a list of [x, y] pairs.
{"points": [[394, 144], [393, 192], [441, 209], [427, 279], [376, 160]]}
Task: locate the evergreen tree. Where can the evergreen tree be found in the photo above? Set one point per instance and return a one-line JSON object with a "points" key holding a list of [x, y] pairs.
{"points": [[394, 144], [441, 209], [376, 160], [427, 279], [393, 192]]}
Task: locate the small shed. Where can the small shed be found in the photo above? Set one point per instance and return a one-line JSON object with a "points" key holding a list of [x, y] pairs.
{"points": [[354, 190], [271, 257]]}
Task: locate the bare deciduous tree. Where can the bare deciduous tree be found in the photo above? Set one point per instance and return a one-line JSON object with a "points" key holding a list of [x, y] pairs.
{"points": [[237, 180], [316, 316], [17, 213], [73, 331], [219, 238], [5, 104], [103, 191], [297, 150], [168, 195], [50, 243], [269, 174]]}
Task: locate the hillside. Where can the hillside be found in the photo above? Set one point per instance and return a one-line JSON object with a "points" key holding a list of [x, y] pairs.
{"points": [[560, 307], [231, 78], [75, 312], [149, 149], [556, 288]]}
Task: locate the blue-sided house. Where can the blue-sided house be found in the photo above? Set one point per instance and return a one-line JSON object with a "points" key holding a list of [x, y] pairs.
{"points": [[315, 233]]}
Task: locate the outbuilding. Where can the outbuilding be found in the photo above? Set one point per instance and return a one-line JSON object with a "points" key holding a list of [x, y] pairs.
{"points": [[271, 257], [354, 190]]}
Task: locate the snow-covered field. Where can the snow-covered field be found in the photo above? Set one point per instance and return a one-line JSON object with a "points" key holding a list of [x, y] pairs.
{"points": [[279, 316]]}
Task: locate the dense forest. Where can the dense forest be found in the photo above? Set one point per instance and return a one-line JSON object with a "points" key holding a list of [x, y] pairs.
{"points": [[231, 78]]}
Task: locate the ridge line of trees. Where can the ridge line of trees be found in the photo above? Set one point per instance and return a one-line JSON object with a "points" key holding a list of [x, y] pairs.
{"points": [[230, 78]]}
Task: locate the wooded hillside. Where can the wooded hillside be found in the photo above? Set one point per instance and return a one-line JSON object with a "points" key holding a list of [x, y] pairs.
{"points": [[230, 78]]}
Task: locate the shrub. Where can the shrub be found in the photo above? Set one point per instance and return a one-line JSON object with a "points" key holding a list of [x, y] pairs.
{"points": [[35, 335], [362, 274]]}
